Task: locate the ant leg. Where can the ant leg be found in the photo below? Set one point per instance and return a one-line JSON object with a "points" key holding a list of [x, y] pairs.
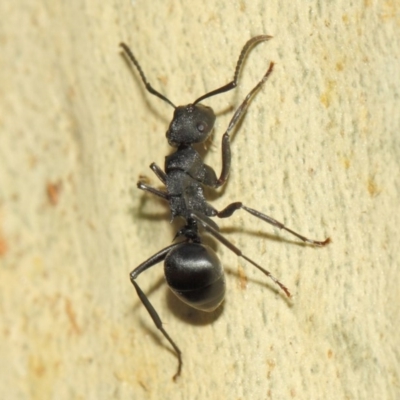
{"points": [[161, 175], [226, 147], [152, 190], [231, 208], [128, 53], [153, 260], [209, 228], [231, 85]]}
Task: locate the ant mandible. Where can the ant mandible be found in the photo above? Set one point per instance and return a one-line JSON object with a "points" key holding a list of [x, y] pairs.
{"points": [[192, 269]]}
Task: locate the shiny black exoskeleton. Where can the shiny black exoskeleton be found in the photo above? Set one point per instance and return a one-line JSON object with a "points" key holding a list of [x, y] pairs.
{"points": [[192, 269]]}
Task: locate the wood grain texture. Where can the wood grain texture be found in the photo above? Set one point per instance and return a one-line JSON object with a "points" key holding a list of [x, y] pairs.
{"points": [[319, 150]]}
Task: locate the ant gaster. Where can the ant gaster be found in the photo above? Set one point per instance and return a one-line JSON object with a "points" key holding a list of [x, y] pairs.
{"points": [[192, 269]]}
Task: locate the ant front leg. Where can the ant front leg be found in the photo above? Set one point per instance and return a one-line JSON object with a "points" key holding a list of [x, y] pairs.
{"points": [[150, 189], [155, 259], [231, 208], [161, 176], [226, 147]]}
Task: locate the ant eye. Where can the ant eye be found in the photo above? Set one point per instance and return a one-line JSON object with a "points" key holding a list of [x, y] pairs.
{"points": [[201, 126]]}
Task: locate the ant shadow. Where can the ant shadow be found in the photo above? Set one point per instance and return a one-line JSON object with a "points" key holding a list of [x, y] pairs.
{"points": [[189, 314]]}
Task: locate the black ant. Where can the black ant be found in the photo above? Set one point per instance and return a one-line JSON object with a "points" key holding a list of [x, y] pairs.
{"points": [[192, 269]]}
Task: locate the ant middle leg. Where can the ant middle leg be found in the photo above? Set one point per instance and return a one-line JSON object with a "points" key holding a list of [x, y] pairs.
{"points": [[231, 208]]}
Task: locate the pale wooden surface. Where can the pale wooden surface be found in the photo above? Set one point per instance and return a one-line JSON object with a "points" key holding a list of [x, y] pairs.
{"points": [[319, 149]]}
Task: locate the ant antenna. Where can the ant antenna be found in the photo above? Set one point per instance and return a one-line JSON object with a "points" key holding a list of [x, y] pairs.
{"points": [[149, 88], [231, 85]]}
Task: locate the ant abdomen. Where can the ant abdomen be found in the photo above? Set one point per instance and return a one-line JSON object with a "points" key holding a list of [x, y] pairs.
{"points": [[194, 273]]}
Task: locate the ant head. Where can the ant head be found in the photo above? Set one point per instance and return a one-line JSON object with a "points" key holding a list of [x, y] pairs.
{"points": [[191, 124]]}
